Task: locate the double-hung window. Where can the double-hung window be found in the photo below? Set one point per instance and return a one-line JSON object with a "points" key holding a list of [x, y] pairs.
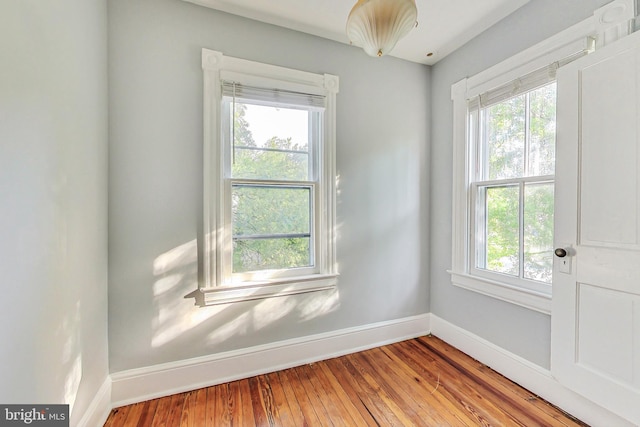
{"points": [[503, 174], [512, 144], [269, 180]]}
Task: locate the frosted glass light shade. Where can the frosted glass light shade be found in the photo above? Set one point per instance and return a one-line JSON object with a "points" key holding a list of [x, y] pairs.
{"points": [[377, 25]]}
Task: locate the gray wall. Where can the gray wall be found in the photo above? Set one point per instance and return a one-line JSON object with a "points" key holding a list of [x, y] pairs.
{"points": [[53, 201], [521, 331], [155, 178]]}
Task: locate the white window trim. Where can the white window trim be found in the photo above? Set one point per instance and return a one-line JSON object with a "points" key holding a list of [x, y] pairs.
{"points": [[609, 23], [217, 66]]}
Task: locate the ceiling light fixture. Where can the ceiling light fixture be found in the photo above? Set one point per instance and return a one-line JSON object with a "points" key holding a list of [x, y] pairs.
{"points": [[377, 25]]}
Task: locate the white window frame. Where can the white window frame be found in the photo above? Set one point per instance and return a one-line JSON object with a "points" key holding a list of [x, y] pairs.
{"points": [[218, 285], [580, 38]]}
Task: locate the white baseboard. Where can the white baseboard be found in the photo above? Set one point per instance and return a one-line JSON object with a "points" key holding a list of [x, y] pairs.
{"points": [[99, 408], [530, 376], [151, 382]]}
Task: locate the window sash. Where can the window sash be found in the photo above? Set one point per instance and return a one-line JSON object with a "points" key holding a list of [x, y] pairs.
{"points": [[478, 136], [478, 231], [231, 277], [315, 137]]}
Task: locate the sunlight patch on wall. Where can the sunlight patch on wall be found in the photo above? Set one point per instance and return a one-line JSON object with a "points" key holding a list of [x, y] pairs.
{"points": [[176, 272], [263, 314], [167, 283], [71, 355], [177, 257], [319, 305], [238, 326], [269, 311], [179, 318], [72, 382]]}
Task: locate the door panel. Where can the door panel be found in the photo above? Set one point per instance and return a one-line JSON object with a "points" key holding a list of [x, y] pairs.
{"points": [[609, 152], [596, 302], [600, 311]]}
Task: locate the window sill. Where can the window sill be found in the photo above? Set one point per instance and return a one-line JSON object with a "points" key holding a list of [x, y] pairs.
{"points": [[268, 289], [526, 298]]}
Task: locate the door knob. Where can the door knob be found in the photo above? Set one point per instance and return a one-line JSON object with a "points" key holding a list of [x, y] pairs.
{"points": [[560, 252]]}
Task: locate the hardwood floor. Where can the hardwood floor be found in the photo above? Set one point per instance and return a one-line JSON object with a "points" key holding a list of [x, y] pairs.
{"points": [[421, 382]]}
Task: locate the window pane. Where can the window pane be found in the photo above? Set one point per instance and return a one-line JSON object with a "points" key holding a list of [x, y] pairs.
{"points": [[538, 232], [505, 138], [542, 128], [264, 254], [270, 209], [271, 227], [502, 235], [271, 142]]}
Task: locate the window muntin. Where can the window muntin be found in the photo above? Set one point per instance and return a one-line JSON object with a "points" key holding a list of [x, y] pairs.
{"points": [[272, 178], [512, 187]]}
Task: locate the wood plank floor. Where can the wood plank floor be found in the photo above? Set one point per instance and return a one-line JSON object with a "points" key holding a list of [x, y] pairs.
{"points": [[420, 382]]}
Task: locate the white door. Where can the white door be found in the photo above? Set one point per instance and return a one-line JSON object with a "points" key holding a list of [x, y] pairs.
{"points": [[596, 287]]}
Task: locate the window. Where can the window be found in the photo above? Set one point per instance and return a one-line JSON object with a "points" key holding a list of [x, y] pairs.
{"points": [[271, 177], [513, 143], [503, 173], [269, 180]]}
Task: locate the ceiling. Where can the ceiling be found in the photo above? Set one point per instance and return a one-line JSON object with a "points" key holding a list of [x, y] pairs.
{"points": [[443, 25]]}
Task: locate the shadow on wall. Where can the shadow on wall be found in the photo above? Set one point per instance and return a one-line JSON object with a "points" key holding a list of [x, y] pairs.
{"points": [[176, 273]]}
